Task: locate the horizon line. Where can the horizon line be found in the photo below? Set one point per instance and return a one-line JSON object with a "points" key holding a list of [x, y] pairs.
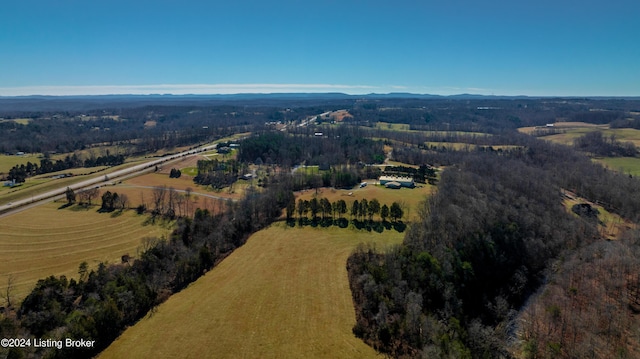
{"points": [[267, 89]]}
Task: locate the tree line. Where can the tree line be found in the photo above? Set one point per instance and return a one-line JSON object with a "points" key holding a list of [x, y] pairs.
{"points": [[103, 302], [19, 173]]}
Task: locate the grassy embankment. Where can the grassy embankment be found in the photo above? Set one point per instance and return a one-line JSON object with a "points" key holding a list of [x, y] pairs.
{"points": [[46, 241]]}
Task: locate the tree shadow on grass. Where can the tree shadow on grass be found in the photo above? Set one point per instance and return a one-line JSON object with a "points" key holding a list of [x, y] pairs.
{"points": [[366, 225], [399, 226], [66, 205], [78, 207], [326, 222]]}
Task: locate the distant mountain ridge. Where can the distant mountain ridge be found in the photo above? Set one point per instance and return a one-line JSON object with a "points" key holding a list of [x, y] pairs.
{"points": [[36, 103]]}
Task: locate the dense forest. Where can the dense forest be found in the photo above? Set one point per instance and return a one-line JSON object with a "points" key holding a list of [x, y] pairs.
{"points": [[485, 244], [341, 145], [138, 130]]}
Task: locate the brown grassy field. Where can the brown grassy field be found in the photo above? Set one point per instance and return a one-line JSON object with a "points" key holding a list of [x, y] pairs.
{"points": [[409, 198], [44, 183], [284, 294], [46, 241], [35, 186], [340, 115]]}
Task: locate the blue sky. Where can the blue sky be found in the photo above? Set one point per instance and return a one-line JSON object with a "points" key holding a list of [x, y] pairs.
{"points": [[549, 48]]}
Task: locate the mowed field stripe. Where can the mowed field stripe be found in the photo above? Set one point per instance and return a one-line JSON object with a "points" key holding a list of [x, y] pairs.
{"points": [[284, 294], [46, 241], [37, 240]]}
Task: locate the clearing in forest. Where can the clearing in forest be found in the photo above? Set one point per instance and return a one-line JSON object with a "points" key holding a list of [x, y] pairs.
{"points": [[285, 293]]}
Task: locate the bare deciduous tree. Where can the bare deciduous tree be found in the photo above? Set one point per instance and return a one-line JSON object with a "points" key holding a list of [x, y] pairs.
{"points": [[159, 194], [8, 293], [122, 201]]}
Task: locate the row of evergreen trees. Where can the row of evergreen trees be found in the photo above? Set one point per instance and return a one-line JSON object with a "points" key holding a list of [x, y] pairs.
{"points": [[357, 209]]}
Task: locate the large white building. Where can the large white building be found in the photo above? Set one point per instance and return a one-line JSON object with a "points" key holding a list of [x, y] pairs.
{"points": [[403, 181]]}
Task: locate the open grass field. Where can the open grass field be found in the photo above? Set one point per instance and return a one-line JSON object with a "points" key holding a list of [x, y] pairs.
{"points": [[22, 121], [562, 125], [572, 130], [409, 198], [309, 170], [46, 241], [6, 162], [159, 179], [284, 294], [629, 165], [392, 126]]}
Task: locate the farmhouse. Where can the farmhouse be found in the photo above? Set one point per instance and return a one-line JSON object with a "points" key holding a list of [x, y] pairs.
{"points": [[401, 181]]}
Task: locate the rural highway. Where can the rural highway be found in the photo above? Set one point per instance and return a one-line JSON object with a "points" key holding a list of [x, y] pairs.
{"points": [[102, 179]]}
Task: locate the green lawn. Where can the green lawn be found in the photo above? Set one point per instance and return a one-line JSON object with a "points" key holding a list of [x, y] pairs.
{"points": [[570, 133], [191, 171], [630, 165], [7, 162]]}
